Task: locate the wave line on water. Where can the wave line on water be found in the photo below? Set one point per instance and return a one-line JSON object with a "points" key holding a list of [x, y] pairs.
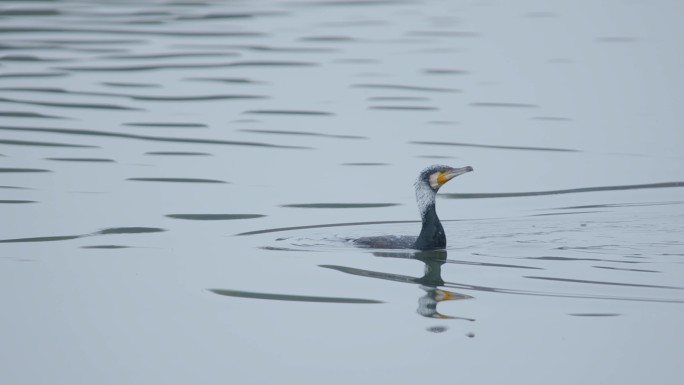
{"points": [[43, 144], [339, 205], [406, 88], [567, 191], [176, 180], [158, 98], [570, 280], [88, 31], [151, 67], [290, 297], [301, 133], [278, 229], [495, 146], [71, 105], [108, 231], [461, 286], [71, 131], [214, 217]]}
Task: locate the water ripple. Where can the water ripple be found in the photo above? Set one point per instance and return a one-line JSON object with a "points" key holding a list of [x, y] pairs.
{"points": [[42, 144], [177, 180], [231, 15], [225, 80], [89, 31], [495, 146], [30, 58], [108, 231], [178, 153], [279, 229], [445, 33], [340, 205], [302, 133], [130, 85], [406, 88], [167, 125], [86, 160], [133, 97], [105, 247], [22, 170], [71, 105], [623, 269], [489, 289], [504, 105], [197, 98], [32, 75], [32, 115], [289, 297], [214, 217], [605, 283], [568, 191], [29, 12], [398, 98], [441, 71], [403, 108], [67, 131], [331, 39], [289, 112], [264, 48], [170, 55], [188, 66]]}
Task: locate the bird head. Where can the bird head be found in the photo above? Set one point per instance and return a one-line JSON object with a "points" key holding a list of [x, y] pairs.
{"points": [[436, 176]]}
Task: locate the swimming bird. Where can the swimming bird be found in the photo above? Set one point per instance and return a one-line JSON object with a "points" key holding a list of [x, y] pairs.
{"points": [[432, 233]]}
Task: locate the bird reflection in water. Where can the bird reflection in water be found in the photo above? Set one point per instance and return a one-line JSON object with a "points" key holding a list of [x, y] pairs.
{"points": [[429, 282]]}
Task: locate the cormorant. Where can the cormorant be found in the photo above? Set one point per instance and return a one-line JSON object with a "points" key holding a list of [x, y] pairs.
{"points": [[432, 233]]}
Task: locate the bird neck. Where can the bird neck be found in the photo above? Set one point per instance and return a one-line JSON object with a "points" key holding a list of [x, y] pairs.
{"points": [[432, 233], [425, 198]]}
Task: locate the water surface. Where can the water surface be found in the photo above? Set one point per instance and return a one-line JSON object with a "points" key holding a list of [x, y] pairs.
{"points": [[180, 182]]}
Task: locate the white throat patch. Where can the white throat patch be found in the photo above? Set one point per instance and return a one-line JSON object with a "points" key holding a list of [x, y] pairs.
{"points": [[433, 180], [425, 196]]}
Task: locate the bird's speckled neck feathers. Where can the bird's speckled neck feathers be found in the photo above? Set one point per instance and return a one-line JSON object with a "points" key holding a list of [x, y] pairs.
{"points": [[431, 233], [425, 196]]}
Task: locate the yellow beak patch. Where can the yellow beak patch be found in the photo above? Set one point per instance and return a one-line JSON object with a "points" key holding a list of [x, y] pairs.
{"points": [[437, 179]]}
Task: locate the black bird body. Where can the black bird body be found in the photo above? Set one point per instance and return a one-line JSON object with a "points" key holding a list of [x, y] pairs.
{"points": [[432, 235]]}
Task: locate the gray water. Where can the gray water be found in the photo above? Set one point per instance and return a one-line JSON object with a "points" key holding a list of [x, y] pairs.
{"points": [[179, 182]]}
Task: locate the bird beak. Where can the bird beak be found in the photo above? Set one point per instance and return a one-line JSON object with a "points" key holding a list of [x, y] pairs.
{"points": [[452, 173]]}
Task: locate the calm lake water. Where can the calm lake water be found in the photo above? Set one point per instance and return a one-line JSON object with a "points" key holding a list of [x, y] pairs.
{"points": [[179, 181]]}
